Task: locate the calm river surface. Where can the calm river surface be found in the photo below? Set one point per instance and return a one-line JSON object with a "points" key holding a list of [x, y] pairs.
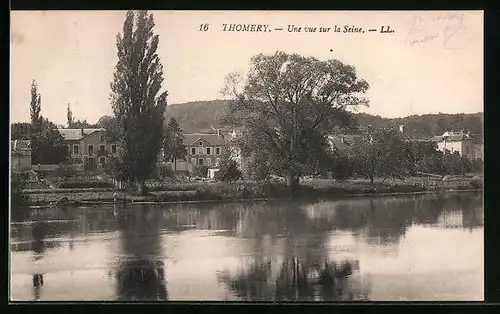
{"points": [[424, 247]]}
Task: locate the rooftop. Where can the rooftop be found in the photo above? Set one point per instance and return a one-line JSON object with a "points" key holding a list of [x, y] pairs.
{"points": [[214, 139], [76, 134], [452, 137], [343, 141]]}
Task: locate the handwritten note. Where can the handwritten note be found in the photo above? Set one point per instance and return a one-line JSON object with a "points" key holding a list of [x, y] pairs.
{"points": [[447, 28]]}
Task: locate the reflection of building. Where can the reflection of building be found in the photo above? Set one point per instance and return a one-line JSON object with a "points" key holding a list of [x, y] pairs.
{"points": [[20, 155]]}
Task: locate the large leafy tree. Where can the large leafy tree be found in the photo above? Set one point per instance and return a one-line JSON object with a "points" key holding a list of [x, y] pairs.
{"points": [[173, 143], [379, 153], [424, 158], [109, 123], [288, 104], [138, 104], [48, 145], [228, 168]]}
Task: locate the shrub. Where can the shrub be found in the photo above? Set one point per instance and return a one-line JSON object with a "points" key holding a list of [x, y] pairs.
{"points": [[18, 182], [78, 184], [65, 171], [228, 171], [476, 183], [163, 172], [200, 171]]}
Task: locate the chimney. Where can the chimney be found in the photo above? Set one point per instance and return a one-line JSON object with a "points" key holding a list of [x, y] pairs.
{"points": [[402, 128]]}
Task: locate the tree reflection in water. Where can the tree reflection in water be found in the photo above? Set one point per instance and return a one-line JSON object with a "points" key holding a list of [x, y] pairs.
{"points": [[140, 273], [296, 280], [39, 233], [302, 272]]}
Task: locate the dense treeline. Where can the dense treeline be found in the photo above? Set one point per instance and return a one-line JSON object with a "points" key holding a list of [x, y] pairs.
{"points": [[200, 115], [427, 125]]}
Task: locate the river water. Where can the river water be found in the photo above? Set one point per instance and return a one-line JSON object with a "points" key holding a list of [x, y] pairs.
{"points": [[425, 247]]}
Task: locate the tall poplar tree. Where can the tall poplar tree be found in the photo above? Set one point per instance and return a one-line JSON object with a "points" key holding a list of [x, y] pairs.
{"points": [[69, 116], [138, 104]]}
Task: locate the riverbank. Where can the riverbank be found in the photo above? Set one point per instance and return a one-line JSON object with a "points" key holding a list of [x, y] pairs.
{"points": [[240, 191]]}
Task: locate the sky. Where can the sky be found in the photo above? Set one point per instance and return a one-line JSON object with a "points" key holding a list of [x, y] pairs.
{"points": [[432, 62]]}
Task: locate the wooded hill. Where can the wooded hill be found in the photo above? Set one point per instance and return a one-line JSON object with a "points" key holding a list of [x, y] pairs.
{"points": [[198, 116]]}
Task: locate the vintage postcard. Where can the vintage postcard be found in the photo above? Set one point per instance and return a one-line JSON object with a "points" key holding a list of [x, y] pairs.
{"points": [[246, 156]]}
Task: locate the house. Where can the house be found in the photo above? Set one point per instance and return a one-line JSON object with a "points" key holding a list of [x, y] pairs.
{"points": [[20, 155], [460, 142], [89, 147], [342, 142], [202, 149]]}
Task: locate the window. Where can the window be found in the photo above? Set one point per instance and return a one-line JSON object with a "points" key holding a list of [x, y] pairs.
{"points": [[113, 148], [193, 151], [217, 161], [208, 150], [102, 148], [102, 138], [200, 161], [102, 160], [200, 151], [91, 149], [217, 150], [467, 149], [193, 161], [200, 143], [208, 162], [75, 149]]}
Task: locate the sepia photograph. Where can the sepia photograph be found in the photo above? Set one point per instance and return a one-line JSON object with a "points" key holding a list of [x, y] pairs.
{"points": [[270, 156]]}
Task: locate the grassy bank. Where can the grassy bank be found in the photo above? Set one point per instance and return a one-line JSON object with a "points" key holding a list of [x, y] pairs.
{"points": [[315, 188]]}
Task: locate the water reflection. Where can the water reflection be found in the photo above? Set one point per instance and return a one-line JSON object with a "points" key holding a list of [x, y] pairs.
{"points": [[275, 250], [296, 279], [140, 273]]}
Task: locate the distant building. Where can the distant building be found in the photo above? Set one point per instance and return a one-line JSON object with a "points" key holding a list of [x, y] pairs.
{"points": [[89, 147], [20, 155], [463, 143], [203, 149], [342, 142]]}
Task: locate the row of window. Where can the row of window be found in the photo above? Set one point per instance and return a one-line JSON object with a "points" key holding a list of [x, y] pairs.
{"points": [[204, 162], [202, 151], [90, 150], [466, 149]]}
